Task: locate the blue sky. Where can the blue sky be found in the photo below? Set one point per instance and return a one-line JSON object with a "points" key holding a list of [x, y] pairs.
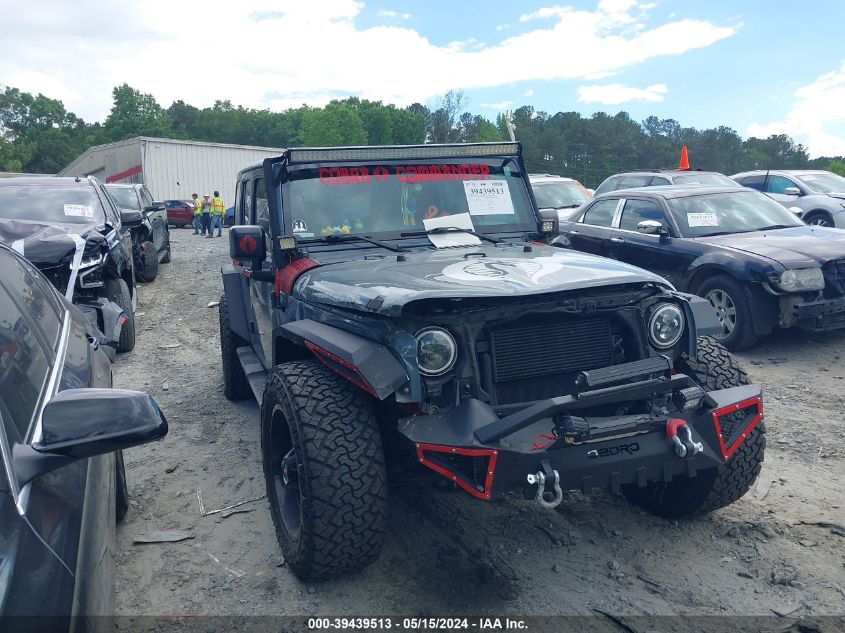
{"points": [[759, 67]]}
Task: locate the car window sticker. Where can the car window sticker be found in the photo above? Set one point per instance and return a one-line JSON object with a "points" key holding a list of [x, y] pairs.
{"points": [[488, 197], [702, 219], [79, 210]]}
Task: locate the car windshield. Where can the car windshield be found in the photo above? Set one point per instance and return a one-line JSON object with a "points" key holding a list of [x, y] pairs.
{"points": [[124, 197], [67, 205], [389, 199], [824, 182], [712, 180], [559, 194], [729, 212]]}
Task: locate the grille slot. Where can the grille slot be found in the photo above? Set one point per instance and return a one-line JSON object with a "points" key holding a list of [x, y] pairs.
{"points": [[538, 357]]}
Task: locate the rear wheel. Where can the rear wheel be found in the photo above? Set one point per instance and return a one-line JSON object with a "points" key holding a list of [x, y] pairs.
{"points": [[819, 218], [117, 290], [324, 470], [146, 265], [714, 368], [166, 258], [730, 299], [235, 384]]}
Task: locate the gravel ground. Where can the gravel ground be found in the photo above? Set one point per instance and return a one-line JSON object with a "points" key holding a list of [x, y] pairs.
{"points": [[774, 551]]}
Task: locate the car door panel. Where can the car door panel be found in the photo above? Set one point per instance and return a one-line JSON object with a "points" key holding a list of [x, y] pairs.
{"points": [[261, 293], [593, 232]]}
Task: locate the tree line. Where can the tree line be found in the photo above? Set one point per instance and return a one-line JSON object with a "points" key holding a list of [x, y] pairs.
{"points": [[39, 135]]}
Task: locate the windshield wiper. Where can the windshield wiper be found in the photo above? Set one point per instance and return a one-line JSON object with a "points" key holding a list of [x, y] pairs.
{"points": [[451, 229], [344, 238], [715, 234], [777, 226]]}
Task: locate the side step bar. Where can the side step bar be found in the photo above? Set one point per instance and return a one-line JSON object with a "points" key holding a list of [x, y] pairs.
{"points": [[254, 370]]}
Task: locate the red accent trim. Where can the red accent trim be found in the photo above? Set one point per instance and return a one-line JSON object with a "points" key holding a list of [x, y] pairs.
{"points": [[537, 446], [335, 364], [730, 450], [124, 174], [673, 425], [470, 452], [291, 272]]}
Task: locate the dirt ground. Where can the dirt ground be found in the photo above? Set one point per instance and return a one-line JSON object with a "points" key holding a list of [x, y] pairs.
{"points": [[446, 553]]}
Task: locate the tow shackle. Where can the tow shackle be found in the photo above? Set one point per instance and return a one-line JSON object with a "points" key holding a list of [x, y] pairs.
{"points": [[684, 446]]}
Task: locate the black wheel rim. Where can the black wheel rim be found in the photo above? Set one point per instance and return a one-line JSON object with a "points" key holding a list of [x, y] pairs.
{"points": [[820, 220], [285, 468]]}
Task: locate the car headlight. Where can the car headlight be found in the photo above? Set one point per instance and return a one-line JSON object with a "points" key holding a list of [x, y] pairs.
{"points": [[801, 280], [436, 351], [96, 260], [665, 325]]}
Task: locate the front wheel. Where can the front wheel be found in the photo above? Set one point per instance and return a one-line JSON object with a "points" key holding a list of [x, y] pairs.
{"points": [[713, 368], [819, 218], [121, 493], [324, 470], [117, 290], [730, 300], [146, 264]]}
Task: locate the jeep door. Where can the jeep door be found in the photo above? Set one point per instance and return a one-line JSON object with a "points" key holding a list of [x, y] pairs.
{"points": [[261, 293], [665, 254], [592, 232]]}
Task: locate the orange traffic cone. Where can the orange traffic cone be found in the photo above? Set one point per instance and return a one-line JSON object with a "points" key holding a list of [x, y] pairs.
{"points": [[684, 163]]}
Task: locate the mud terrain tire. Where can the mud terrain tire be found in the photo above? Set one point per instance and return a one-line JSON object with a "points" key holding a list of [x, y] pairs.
{"points": [[235, 384], [146, 268], [324, 470], [118, 291], [714, 368]]}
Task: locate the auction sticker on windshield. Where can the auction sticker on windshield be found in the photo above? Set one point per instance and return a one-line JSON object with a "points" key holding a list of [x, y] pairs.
{"points": [[488, 197], [702, 219], [79, 210]]}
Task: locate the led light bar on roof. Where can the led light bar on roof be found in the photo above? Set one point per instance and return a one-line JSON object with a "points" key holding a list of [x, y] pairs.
{"points": [[400, 152]]}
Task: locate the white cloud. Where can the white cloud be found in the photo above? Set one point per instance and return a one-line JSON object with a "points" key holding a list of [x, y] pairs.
{"points": [[528, 93], [502, 27], [501, 105], [384, 13], [299, 52], [817, 107], [614, 94]]}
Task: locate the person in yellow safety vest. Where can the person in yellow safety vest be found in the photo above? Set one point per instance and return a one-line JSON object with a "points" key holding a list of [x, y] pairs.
{"points": [[197, 213], [205, 218], [217, 211]]}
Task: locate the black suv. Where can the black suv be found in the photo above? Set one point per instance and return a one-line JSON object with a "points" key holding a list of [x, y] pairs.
{"points": [[70, 229], [62, 479], [392, 304], [653, 178], [151, 238]]}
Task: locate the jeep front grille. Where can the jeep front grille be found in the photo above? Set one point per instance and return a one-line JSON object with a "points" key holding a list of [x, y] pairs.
{"points": [[538, 357]]}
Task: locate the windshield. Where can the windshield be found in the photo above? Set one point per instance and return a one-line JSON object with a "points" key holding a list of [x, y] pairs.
{"points": [[738, 212], [66, 205], [386, 200], [124, 197], [824, 182], [717, 180], [559, 195]]}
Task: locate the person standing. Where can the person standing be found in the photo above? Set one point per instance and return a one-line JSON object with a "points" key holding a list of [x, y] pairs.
{"points": [[206, 216], [197, 213], [217, 211]]}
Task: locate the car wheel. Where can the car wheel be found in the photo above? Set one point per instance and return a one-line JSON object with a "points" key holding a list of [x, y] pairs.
{"points": [[121, 492], [146, 265], [819, 218], [235, 384], [729, 299], [117, 290], [324, 470], [713, 368], [166, 258]]}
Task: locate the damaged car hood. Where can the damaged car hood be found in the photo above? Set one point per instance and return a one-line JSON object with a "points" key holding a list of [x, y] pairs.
{"points": [[798, 246], [46, 243], [386, 284]]}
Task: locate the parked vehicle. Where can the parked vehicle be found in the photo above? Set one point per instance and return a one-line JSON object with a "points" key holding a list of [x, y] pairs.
{"points": [[760, 267], [70, 229], [392, 302], [151, 238], [558, 194], [818, 196], [62, 481], [180, 213], [655, 178]]}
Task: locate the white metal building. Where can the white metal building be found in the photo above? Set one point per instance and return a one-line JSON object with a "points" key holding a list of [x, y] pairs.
{"points": [[172, 169]]}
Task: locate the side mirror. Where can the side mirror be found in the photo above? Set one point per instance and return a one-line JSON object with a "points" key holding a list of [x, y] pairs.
{"points": [[155, 206], [651, 227], [792, 191], [131, 217], [247, 242], [81, 423], [797, 211]]}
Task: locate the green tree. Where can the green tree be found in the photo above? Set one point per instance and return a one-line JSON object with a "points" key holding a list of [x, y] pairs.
{"points": [[134, 113], [837, 166], [335, 125]]}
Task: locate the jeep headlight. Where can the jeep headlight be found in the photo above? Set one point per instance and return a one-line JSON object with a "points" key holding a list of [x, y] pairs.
{"points": [[436, 351], [665, 325], [801, 280]]}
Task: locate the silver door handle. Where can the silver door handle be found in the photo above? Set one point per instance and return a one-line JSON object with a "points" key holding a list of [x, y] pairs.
{"points": [[617, 240]]}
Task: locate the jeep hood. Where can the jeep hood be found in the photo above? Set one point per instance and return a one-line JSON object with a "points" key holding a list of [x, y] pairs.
{"points": [[386, 284], [796, 247], [43, 243]]}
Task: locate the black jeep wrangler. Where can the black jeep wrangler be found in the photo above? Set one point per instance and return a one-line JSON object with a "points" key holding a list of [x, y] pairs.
{"points": [[391, 304]]}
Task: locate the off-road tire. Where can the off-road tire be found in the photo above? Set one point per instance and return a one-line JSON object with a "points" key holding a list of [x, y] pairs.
{"points": [[743, 335], [713, 368], [146, 268], [235, 384], [340, 465], [117, 290], [166, 258], [121, 490]]}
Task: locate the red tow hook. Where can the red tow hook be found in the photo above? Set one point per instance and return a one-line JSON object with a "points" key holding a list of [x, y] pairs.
{"points": [[685, 447]]}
